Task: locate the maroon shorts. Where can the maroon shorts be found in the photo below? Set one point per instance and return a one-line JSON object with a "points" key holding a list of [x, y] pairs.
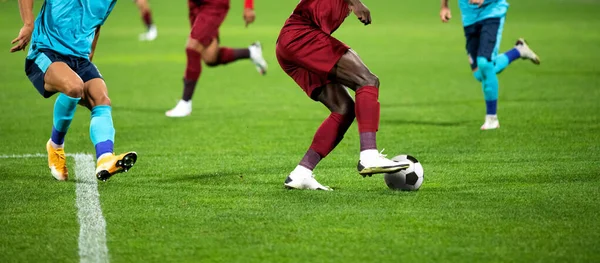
{"points": [[308, 55], [206, 18]]}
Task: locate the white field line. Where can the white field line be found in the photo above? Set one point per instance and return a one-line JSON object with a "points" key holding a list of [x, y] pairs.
{"points": [[92, 226], [30, 155], [17, 156]]}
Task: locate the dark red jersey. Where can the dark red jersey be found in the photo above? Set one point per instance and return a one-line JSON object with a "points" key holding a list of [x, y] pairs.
{"points": [[327, 15]]}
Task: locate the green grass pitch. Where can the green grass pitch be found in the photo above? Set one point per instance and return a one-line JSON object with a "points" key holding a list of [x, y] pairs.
{"points": [[209, 188]]}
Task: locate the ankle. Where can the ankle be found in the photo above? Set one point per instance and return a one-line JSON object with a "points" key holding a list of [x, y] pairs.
{"points": [[57, 146]]}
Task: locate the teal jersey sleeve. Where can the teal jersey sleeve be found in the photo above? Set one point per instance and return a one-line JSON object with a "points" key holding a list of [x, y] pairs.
{"points": [[68, 26], [471, 14]]}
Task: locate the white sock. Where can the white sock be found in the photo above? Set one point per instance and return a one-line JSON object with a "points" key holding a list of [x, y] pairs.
{"points": [[369, 154], [56, 146]]}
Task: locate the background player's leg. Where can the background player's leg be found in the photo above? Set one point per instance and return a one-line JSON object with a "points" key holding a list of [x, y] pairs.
{"points": [[491, 32], [102, 131], [353, 73], [193, 69], [520, 50], [146, 14], [213, 55], [60, 78], [331, 132]]}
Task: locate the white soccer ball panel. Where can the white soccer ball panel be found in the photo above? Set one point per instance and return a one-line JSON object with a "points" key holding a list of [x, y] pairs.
{"points": [[407, 180]]}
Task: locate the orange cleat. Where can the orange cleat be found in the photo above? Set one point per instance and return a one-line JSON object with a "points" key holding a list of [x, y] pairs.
{"points": [[57, 162], [110, 164]]}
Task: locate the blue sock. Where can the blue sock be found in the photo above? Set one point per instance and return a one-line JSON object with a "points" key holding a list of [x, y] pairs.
{"points": [[491, 107], [102, 132], [64, 110], [490, 84], [503, 60], [512, 55]]}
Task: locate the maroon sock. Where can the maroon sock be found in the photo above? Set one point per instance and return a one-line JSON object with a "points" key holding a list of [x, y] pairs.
{"points": [[367, 116], [147, 17], [192, 73], [368, 141], [329, 134], [228, 55], [310, 159]]}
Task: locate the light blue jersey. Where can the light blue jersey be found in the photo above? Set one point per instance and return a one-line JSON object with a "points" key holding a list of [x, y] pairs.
{"points": [[472, 14], [68, 26]]}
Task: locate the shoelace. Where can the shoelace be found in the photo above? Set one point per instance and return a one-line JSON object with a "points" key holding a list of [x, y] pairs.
{"points": [[381, 155]]}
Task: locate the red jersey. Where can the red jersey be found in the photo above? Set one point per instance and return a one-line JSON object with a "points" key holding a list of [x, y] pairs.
{"points": [[327, 15]]}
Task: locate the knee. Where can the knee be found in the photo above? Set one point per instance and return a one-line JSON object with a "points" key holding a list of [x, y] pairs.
{"points": [[477, 75], [211, 62], [484, 64], [211, 59], [74, 88], [368, 79]]}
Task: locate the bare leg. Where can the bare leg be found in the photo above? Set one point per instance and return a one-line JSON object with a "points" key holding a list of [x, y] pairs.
{"points": [[331, 132], [146, 15], [353, 73], [336, 98], [60, 78]]}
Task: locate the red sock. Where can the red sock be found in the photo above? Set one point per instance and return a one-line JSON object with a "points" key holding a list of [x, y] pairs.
{"points": [[192, 73], [330, 133], [227, 55], [367, 109], [326, 137], [367, 116], [147, 17]]}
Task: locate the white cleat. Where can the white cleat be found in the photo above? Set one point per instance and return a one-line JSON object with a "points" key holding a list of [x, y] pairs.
{"points": [[257, 58], [149, 35], [304, 181], [526, 52], [373, 162], [182, 109], [491, 122]]}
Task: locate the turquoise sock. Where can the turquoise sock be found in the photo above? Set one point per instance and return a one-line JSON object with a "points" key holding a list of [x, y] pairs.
{"points": [[500, 63], [490, 84], [489, 78], [64, 110], [102, 131]]}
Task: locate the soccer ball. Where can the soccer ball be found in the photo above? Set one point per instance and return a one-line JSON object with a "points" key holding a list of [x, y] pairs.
{"points": [[405, 180]]}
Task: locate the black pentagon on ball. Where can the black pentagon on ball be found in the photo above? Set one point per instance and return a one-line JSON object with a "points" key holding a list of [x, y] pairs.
{"points": [[412, 159], [411, 178]]}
